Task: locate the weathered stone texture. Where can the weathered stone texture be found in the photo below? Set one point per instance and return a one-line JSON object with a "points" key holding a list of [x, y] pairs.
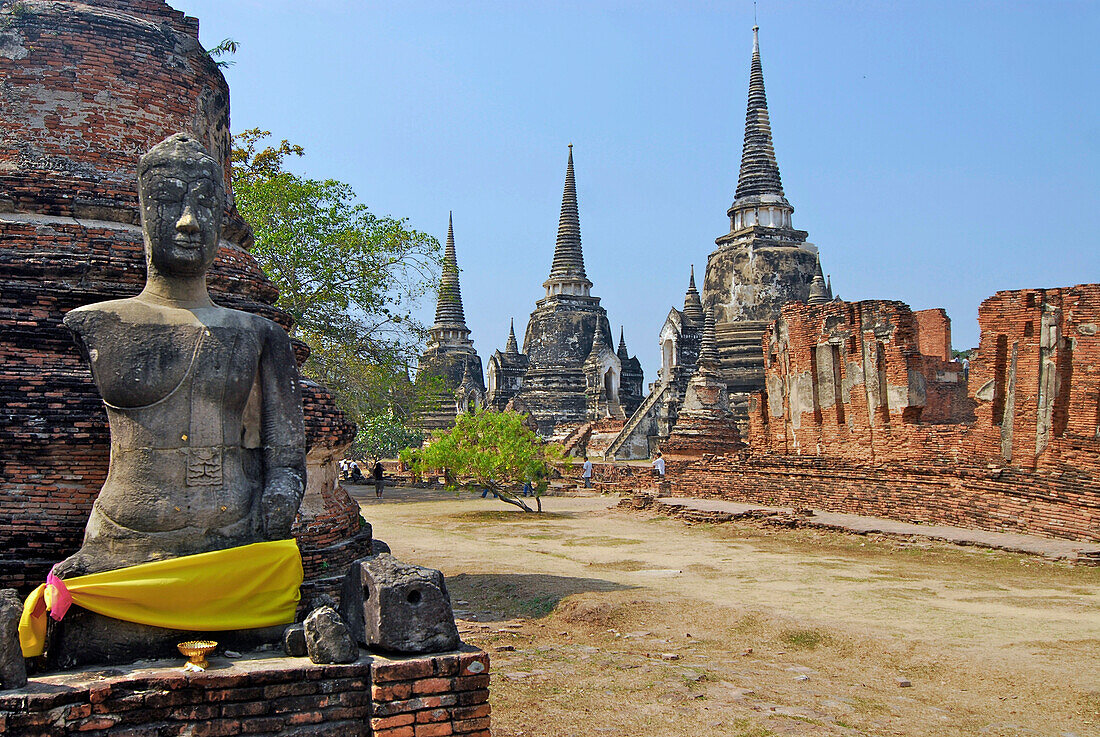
{"points": [[327, 638], [398, 607], [88, 87], [13, 671], [573, 372], [450, 355]]}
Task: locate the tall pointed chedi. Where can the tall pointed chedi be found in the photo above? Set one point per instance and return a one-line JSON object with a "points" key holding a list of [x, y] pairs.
{"points": [[762, 262], [573, 373], [450, 357]]}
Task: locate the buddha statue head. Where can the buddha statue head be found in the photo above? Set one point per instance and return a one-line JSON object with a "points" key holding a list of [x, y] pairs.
{"points": [[182, 197]]}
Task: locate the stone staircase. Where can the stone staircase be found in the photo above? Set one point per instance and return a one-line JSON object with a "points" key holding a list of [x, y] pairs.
{"points": [[648, 406]]}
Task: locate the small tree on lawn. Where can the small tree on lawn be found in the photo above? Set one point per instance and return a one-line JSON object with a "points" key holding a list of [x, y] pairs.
{"points": [[489, 450]]}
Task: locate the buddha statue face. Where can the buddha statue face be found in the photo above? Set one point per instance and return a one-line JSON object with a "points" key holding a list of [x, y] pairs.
{"points": [[182, 197]]}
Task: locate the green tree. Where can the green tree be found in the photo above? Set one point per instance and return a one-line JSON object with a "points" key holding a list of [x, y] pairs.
{"points": [[347, 277], [384, 436], [489, 450]]}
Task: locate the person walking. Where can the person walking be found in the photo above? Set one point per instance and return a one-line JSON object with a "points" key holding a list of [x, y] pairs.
{"points": [[379, 481], [587, 473]]}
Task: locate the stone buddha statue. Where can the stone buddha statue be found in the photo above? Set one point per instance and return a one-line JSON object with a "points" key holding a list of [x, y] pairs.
{"points": [[205, 409]]}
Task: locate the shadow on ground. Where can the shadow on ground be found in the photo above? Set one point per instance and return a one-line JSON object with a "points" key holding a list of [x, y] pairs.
{"points": [[494, 597]]}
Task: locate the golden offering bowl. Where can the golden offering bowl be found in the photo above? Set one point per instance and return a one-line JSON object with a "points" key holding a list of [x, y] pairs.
{"points": [[196, 651]]}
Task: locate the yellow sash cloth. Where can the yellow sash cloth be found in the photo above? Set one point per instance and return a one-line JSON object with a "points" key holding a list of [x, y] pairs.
{"points": [[238, 588]]}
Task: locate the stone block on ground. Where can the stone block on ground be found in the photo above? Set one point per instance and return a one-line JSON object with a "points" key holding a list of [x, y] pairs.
{"points": [[327, 638], [13, 671], [294, 640], [398, 607]]}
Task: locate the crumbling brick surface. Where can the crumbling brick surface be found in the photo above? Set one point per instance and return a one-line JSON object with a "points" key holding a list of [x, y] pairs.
{"points": [[857, 418]]}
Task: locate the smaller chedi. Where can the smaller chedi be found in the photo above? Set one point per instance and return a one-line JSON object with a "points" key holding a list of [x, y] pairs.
{"points": [[450, 358]]}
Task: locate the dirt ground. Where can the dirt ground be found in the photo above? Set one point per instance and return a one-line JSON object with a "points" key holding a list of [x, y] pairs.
{"points": [[604, 622]]}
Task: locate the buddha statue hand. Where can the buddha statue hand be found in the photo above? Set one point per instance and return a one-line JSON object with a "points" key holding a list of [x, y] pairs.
{"points": [[279, 503]]}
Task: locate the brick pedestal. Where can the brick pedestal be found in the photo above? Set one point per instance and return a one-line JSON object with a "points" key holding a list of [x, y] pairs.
{"points": [[426, 696]]}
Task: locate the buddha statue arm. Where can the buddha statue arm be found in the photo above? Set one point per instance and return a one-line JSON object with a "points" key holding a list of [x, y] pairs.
{"points": [[283, 436]]}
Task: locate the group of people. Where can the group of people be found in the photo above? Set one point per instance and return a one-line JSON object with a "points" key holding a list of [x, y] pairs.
{"points": [[351, 472], [658, 470]]}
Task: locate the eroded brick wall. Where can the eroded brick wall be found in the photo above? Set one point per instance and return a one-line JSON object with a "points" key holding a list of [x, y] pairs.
{"points": [[858, 417], [934, 333]]}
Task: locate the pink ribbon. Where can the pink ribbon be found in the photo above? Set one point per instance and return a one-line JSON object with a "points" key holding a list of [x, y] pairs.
{"points": [[61, 599]]}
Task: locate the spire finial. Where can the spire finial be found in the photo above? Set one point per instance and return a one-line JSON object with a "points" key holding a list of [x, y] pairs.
{"points": [[568, 257], [448, 309], [511, 346], [759, 170]]}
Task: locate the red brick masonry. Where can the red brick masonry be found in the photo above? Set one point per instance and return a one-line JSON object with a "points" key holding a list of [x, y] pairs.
{"points": [[863, 413], [427, 696]]}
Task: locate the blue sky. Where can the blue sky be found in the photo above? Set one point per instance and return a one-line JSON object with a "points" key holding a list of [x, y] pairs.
{"points": [[935, 151]]}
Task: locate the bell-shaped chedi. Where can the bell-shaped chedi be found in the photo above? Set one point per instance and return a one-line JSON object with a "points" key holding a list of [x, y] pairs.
{"points": [[572, 371], [88, 88], [763, 262]]}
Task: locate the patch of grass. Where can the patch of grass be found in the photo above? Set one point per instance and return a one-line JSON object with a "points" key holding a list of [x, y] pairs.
{"points": [[867, 706], [538, 607], [602, 540], [507, 515], [623, 565], [748, 729], [803, 639]]}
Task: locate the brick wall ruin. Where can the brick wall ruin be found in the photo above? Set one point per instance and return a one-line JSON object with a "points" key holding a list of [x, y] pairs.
{"points": [[87, 88], [864, 413], [425, 696]]}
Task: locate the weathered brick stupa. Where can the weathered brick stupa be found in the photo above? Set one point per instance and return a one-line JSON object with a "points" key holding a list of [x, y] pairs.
{"points": [[87, 88], [450, 354], [762, 263], [574, 373]]}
